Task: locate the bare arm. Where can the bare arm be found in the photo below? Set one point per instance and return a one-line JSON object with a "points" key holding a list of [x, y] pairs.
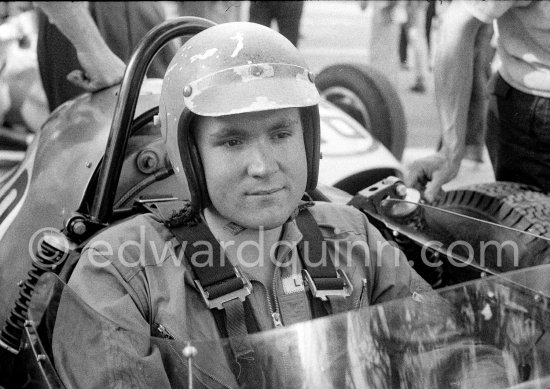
{"points": [[102, 68], [453, 75]]}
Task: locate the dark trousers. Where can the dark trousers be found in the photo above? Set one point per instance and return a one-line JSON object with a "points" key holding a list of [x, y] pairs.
{"points": [[404, 40], [403, 43], [286, 13], [520, 137]]}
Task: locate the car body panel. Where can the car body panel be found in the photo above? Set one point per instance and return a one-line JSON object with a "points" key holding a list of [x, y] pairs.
{"points": [[51, 181], [347, 148]]}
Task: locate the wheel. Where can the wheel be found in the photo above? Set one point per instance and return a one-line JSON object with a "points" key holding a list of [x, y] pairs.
{"points": [[368, 96], [519, 206]]}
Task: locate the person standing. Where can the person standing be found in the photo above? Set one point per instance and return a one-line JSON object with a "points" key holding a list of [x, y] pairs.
{"points": [[82, 46], [521, 90], [287, 14]]}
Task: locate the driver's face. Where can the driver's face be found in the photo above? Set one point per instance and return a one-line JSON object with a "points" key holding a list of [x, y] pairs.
{"points": [[255, 165]]}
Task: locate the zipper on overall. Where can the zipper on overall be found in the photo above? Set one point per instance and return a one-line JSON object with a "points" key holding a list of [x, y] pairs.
{"points": [[275, 312], [272, 303]]}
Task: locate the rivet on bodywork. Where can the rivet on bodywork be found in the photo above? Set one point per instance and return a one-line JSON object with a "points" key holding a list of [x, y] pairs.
{"points": [[311, 77], [78, 227], [187, 90]]}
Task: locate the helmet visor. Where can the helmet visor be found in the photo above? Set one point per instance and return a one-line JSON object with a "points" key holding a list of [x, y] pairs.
{"points": [[251, 88]]}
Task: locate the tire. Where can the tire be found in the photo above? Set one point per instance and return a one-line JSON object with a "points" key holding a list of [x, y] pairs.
{"points": [[519, 206], [368, 96]]}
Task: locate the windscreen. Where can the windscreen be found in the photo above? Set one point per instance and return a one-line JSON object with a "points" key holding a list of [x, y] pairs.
{"points": [[487, 333]]}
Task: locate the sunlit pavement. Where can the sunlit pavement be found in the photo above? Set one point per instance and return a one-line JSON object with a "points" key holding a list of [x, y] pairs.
{"points": [[336, 32]]}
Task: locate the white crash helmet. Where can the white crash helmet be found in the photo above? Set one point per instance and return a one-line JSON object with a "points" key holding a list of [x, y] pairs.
{"points": [[228, 69]]}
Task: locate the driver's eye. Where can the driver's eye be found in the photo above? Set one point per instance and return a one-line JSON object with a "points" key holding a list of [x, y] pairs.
{"points": [[232, 143], [283, 134]]}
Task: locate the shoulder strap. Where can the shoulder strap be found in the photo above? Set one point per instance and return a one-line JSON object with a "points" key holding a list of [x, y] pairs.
{"points": [[219, 281], [224, 289], [216, 278], [326, 283]]}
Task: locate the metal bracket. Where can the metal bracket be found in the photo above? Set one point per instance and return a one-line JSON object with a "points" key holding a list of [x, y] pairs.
{"points": [[324, 293], [218, 302]]}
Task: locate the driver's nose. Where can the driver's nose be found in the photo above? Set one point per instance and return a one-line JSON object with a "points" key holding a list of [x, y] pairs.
{"points": [[261, 161]]}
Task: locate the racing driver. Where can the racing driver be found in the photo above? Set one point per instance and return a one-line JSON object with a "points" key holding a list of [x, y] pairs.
{"points": [[239, 115]]}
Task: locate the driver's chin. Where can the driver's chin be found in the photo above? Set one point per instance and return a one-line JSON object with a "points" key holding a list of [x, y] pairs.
{"points": [[267, 220]]}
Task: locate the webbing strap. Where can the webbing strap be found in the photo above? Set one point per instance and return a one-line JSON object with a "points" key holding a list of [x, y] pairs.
{"points": [[326, 284], [236, 328], [321, 270], [217, 278], [210, 266], [245, 370]]}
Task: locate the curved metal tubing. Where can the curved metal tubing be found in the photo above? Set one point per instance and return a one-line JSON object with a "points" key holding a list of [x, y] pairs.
{"points": [[101, 209]]}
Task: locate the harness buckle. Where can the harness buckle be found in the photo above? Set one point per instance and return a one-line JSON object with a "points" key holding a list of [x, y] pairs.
{"points": [[346, 290], [218, 302]]}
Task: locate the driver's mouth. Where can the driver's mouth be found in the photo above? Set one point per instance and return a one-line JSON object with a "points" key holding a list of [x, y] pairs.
{"points": [[264, 192]]}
